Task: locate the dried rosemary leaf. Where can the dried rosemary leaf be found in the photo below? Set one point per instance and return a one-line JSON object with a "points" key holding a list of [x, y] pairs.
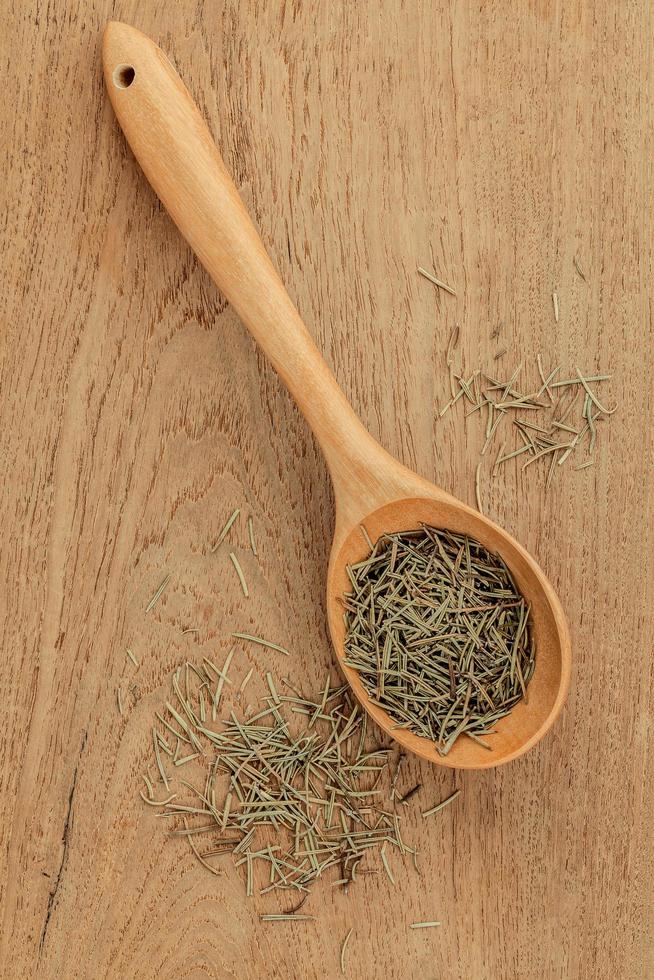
{"points": [[281, 917], [440, 806], [239, 572], [157, 595], [261, 642], [253, 543], [436, 282], [226, 529], [478, 489], [343, 949]]}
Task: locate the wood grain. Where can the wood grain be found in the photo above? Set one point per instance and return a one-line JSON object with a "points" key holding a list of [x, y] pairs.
{"points": [[491, 142]]}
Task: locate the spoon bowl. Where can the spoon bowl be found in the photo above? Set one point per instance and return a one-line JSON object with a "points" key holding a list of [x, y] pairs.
{"points": [[171, 141], [530, 719]]}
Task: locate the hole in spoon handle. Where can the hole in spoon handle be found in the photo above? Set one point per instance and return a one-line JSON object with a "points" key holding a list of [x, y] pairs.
{"points": [[123, 76]]}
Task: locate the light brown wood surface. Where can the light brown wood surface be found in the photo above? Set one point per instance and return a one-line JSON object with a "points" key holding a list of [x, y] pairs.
{"points": [[177, 153], [492, 143]]}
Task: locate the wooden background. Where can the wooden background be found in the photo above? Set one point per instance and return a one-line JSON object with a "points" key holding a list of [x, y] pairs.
{"points": [[491, 142]]}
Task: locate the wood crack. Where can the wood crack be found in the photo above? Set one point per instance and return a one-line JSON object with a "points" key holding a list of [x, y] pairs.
{"points": [[64, 854]]}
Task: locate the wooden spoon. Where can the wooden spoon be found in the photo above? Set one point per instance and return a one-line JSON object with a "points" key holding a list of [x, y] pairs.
{"points": [[174, 147]]}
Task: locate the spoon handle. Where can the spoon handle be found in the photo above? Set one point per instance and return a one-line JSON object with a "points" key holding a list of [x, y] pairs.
{"points": [[175, 149]]}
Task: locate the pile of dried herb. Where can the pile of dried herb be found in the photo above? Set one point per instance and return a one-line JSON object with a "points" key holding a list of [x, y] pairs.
{"points": [[553, 418], [293, 788], [439, 634], [556, 419]]}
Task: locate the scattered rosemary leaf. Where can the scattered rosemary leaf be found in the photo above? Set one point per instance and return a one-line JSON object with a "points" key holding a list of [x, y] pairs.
{"points": [[546, 450], [498, 458], [156, 802], [439, 806], [396, 774], [157, 756], [132, 657], [423, 925], [239, 572], [343, 949], [202, 861], [436, 282], [155, 598], [261, 642], [478, 489], [387, 867], [593, 397], [225, 816], [566, 382], [555, 303], [222, 677], [207, 828], [187, 758], [253, 544], [193, 629], [500, 353], [119, 699], [271, 687], [550, 473], [516, 452], [585, 465], [245, 680], [289, 917], [225, 531]]}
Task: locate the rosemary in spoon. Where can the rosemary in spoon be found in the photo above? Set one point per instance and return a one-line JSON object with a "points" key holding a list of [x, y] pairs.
{"points": [[439, 634]]}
